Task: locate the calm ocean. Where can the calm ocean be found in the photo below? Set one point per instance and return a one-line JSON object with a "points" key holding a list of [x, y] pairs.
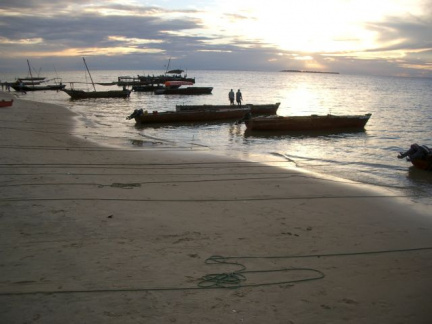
{"points": [[401, 115]]}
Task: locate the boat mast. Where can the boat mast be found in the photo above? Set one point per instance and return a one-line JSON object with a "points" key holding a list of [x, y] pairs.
{"points": [[89, 74], [31, 76], [169, 61]]}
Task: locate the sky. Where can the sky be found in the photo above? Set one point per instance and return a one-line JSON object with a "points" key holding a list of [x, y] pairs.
{"points": [[375, 37]]}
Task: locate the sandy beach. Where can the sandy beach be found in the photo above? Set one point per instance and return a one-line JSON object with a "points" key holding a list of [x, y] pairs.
{"points": [[94, 234]]}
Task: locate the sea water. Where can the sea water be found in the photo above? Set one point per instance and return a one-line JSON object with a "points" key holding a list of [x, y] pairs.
{"points": [[401, 111]]}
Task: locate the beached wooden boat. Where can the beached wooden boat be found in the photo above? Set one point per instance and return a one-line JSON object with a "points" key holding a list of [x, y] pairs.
{"points": [[307, 123], [172, 117], [6, 103], [261, 109]]}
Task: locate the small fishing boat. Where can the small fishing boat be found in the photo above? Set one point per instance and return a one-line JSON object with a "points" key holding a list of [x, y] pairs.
{"points": [[174, 87], [172, 117], [306, 123], [81, 94], [147, 87], [20, 87], [6, 103], [260, 109], [36, 83], [419, 155], [170, 75]]}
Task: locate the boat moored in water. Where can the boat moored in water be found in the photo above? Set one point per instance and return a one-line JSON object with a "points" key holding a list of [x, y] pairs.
{"points": [[307, 123], [259, 109], [194, 116], [81, 94]]}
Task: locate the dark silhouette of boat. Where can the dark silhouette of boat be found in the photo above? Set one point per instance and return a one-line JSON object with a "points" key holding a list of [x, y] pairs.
{"points": [[174, 87], [184, 91], [81, 94], [193, 116], [36, 87], [36, 83], [307, 123], [259, 109], [147, 87]]}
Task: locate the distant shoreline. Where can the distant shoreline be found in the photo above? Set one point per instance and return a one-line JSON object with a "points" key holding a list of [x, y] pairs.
{"points": [[299, 71]]}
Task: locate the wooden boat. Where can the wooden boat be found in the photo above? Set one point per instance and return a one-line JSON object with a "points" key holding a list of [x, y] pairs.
{"points": [[420, 156], [30, 79], [6, 103], [424, 163], [172, 117], [37, 87], [170, 75], [147, 88], [184, 91], [262, 109], [307, 123], [81, 94], [173, 87], [36, 83]]}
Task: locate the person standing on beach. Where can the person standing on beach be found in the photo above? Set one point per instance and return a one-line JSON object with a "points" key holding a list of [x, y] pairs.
{"points": [[231, 97], [239, 97]]}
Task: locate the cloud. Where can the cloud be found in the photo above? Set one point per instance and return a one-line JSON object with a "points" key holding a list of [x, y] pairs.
{"points": [[130, 35]]}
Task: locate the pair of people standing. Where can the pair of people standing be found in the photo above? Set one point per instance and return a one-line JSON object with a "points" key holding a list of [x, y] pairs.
{"points": [[238, 97]]}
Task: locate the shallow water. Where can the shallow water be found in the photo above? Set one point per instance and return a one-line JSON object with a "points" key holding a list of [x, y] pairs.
{"points": [[401, 115]]}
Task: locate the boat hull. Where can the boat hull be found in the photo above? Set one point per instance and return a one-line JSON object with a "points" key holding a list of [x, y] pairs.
{"points": [[185, 91], [172, 117], [423, 164], [265, 109], [28, 88], [146, 88], [81, 94], [307, 123]]}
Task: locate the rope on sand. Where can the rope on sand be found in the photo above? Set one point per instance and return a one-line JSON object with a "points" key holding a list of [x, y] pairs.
{"points": [[235, 279]]}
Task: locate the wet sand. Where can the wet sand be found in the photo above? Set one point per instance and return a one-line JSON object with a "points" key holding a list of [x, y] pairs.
{"points": [[92, 234]]}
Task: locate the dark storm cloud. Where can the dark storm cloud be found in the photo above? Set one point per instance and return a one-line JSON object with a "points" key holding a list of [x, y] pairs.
{"points": [[89, 30]]}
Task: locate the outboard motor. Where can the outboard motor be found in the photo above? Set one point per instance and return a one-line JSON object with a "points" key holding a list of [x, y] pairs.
{"points": [[136, 113]]}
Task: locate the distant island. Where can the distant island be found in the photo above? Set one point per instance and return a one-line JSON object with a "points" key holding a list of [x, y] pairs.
{"points": [[299, 71]]}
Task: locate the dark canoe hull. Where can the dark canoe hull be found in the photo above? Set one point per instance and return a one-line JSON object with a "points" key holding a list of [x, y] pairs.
{"points": [[423, 164], [147, 88], [27, 88], [266, 109], [185, 91], [172, 117], [5, 103], [307, 123], [81, 94]]}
